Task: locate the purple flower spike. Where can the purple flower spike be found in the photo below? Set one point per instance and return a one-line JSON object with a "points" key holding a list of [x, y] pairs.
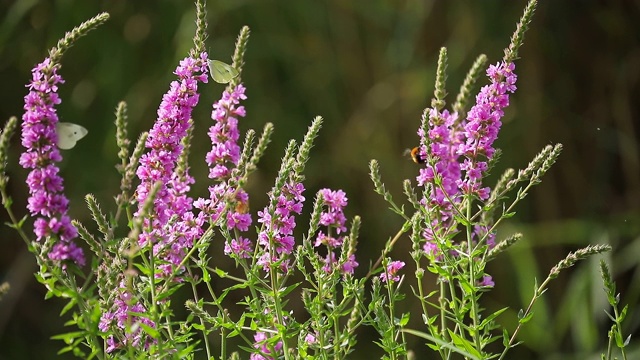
{"points": [[483, 125], [333, 218], [457, 154], [171, 241], [444, 137], [224, 134], [230, 203], [277, 234], [47, 201]]}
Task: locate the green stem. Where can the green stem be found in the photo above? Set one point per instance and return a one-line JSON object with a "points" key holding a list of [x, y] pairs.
{"points": [[204, 332], [392, 353], [537, 294], [275, 284], [619, 329], [472, 277], [388, 248]]}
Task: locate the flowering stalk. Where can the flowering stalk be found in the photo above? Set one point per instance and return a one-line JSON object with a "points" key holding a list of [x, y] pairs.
{"points": [[333, 218], [46, 197], [164, 222], [164, 146], [567, 262], [47, 201], [226, 200], [324, 300], [54, 247]]}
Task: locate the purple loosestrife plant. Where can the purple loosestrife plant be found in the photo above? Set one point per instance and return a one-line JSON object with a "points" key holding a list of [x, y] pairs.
{"points": [[334, 292], [169, 228], [448, 234], [279, 223], [128, 291], [122, 317]]}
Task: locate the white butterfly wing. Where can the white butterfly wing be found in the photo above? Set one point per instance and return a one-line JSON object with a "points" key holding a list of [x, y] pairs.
{"points": [[69, 134], [222, 73]]}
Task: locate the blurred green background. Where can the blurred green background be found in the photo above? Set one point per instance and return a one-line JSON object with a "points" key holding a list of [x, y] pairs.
{"points": [[368, 68]]}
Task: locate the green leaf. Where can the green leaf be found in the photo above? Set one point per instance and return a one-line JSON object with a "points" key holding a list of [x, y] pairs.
{"points": [[288, 289], [505, 337], [165, 294], [69, 337], [619, 341], [623, 313], [154, 333], [405, 319], [467, 288], [467, 345], [491, 317], [221, 273], [525, 319], [70, 304]]}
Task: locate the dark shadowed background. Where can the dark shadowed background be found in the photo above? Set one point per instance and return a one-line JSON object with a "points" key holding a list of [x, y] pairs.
{"points": [[368, 68]]}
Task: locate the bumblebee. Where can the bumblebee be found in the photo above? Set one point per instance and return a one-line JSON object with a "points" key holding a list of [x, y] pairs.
{"points": [[242, 207], [415, 155]]}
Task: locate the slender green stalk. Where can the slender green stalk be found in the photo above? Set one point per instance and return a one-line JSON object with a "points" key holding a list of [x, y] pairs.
{"points": [[568, 262], [472, 280]]}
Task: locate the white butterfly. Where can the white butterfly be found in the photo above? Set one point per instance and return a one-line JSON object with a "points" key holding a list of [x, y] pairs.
{"points": [[221, 72], [69, 134]]}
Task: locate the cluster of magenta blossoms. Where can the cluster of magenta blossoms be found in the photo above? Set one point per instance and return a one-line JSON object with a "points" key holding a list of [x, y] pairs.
{"points": [[391, 272], [171, 240], [482, 127], [222, 159], [457, 155], [47, 201], [444, 137], [265, 353], [124, 307], [276, 236], [333, 218]]}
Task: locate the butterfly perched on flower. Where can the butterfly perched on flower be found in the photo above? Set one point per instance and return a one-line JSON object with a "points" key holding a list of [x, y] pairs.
{"points": [[221, 72]]}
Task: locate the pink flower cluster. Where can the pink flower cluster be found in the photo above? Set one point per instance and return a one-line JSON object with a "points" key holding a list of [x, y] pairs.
{"points": [[391, 272], [223, 157], [122, 318], [277, 235], [261, 344], [171, 241], [333, 218], [482, 127], [458, 152], [47, 201]]}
